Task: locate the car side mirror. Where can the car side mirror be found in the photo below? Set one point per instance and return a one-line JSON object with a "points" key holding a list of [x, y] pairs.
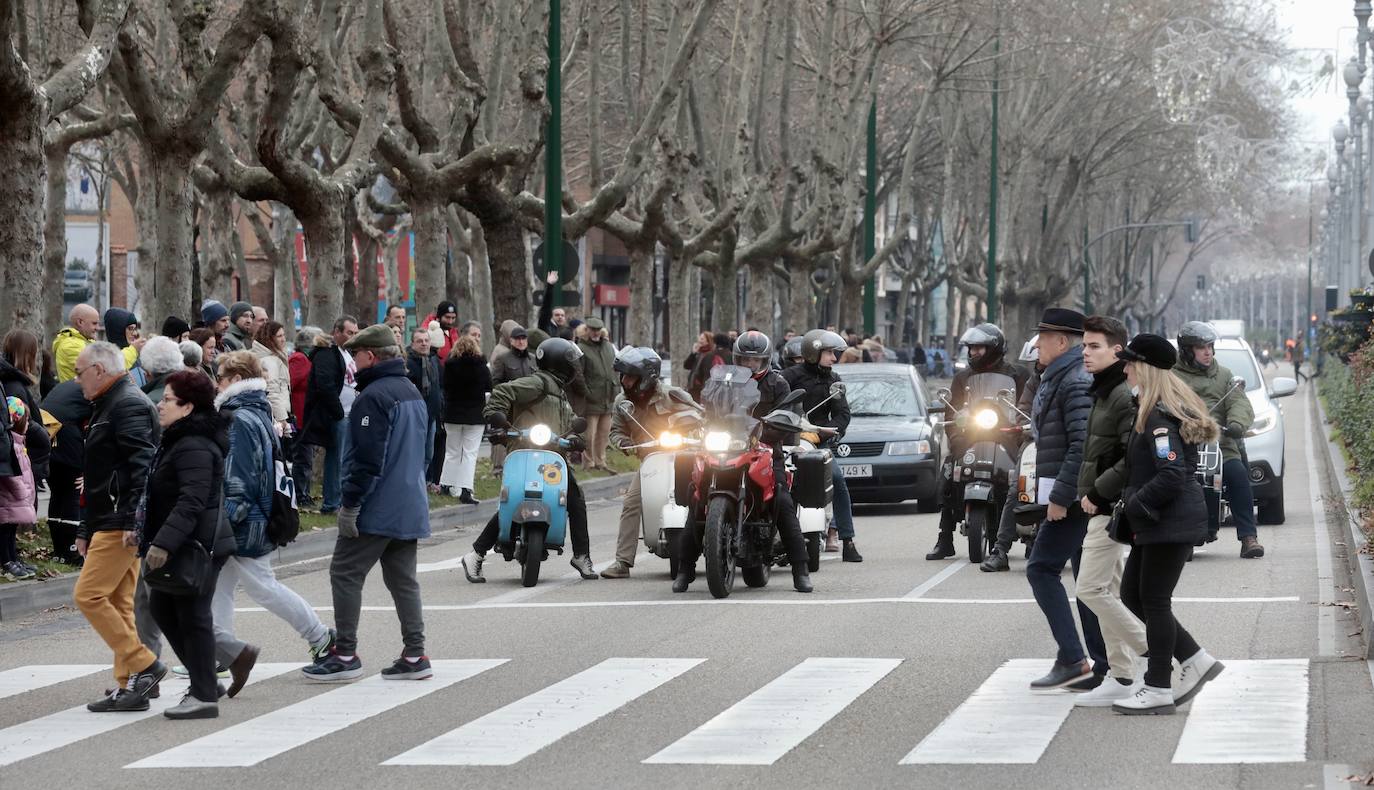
{"points": [[1283, 387]]}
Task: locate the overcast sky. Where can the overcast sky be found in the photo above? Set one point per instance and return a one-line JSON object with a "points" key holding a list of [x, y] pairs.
{"points": [[1328, 25]]}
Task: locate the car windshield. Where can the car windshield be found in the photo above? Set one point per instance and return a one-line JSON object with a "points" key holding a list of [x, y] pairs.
{"points": [[890, 396], [1240, 363]]}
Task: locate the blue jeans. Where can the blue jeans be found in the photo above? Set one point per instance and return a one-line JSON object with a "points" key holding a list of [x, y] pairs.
{"points": [[335, 462], [1057, 543], [1235, 483], [430, 430], [841, 506]]}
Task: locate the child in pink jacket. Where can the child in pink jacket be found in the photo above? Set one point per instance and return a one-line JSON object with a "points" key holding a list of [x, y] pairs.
{"points": [[17, 497]]}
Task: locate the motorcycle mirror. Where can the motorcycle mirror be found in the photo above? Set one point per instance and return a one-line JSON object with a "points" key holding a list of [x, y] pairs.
{"points": [[837, 389], [792, 397], [942, 394], [625, 408], [579, 424], [1004, 394], [498, 420], [1237, 382]]}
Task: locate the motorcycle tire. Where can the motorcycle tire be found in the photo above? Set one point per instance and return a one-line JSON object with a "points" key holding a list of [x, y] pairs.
{"points": [[758, 575], [974, 524], [813, 552], [718, 542], [534, 556]]}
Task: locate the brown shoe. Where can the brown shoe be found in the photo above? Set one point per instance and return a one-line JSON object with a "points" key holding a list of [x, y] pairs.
{"points": [[617, 570], [1250, 548], [832, 542], [240, 669]]}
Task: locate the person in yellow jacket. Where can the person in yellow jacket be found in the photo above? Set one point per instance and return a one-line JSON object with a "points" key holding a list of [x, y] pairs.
{"points": [[66, 347], [124, 330]]}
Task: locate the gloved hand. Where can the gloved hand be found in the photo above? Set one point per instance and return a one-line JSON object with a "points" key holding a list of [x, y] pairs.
{"points": [[348, 522], [576, 443], [1235, 431], [157, 557]]}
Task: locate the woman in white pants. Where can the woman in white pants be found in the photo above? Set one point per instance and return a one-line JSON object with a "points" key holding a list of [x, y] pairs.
{"points": [[467, 380]]}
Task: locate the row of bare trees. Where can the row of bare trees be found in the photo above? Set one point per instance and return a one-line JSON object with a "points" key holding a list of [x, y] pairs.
{"points": [[728, 138]]}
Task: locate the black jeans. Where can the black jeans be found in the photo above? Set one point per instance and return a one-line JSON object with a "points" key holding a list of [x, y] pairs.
{"points": [[189, 628], [689, 545], [1147, 589], [1235, 480], [436, 463], [577, 523], [64, 511], [302, 467]]}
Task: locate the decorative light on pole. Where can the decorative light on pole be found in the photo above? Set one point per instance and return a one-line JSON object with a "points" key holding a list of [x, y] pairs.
{"points": [[1184, 65]]}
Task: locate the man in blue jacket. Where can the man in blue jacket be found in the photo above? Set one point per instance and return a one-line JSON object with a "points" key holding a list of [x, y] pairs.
{"points": [[1059, 420], [385, 508]]}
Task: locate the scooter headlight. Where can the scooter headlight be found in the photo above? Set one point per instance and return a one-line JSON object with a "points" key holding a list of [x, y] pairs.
{"points": [[670, 440], [540, 435], [986, 419], [716, 442]]}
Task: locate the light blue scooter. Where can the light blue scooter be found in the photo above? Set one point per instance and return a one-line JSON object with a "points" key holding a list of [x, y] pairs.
{"points": [[533, 508]]}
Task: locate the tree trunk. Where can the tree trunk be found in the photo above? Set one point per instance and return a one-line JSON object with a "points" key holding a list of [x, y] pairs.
{"points": [[23, 184], [682, 310], [370, 254], [851, 304], [171, 283], [799, 297], [761, 297], [328, 259], [510, 287], [284, 269], [640, 331], [217, 262], [55, 240], [431, 255], [952, 330]]}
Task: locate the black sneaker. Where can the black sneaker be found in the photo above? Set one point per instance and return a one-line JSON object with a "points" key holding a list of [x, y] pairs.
{"points": [[851, 554], [996, 561], [143, 683], [467, 498], [320, 652], [1087, 684], [1062, 675], [119, 701], [402, 669], [944, 549], [334, 669]]}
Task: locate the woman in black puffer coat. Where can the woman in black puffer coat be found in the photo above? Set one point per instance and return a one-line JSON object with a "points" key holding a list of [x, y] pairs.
{"points": [[467, 380], [1165, 515], [183, 503]]}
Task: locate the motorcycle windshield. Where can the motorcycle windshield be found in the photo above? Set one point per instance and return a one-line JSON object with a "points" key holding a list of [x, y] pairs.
{"points": [[987, 385], [729, 398]]}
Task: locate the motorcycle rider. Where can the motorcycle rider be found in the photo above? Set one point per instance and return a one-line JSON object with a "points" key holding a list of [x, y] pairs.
{"points": [[999, 559], [820, 349], [654, 402], [525, 402], [792, 353], [753, 350], [987, 350], [1211, 380]]}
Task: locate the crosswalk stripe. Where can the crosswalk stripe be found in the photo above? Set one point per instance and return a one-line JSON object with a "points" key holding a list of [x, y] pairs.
{"points": [[762, 727], [1254, 712], [72, 725], [255, 740], [1002, 722], [22, 679], [510, 734]]}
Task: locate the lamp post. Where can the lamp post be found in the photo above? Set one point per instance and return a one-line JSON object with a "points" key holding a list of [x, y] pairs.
{"points": [[1339, 134], [870, 288], [1353, 73], [553, 150]]}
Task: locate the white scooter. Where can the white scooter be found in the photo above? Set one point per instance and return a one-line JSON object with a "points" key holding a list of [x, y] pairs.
{"points": [[661, 518]]}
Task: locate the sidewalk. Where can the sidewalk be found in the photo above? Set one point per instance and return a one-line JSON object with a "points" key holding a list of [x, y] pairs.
{"points": [[1357, 546]]}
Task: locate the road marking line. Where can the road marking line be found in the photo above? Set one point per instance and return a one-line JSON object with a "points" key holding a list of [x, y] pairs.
{"points": [[769, 723], [510, 734], [46, 734], [1321, 531], [255, 740], [1254, 712], [22, 679], [929, 584], [1003, 721], [525, 593]]}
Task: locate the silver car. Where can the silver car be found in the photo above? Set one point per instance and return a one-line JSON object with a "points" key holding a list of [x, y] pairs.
{"points": [[890, 452], [1264, 443]]}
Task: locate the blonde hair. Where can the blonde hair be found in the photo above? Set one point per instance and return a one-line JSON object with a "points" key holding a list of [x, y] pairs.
{"points": [[465, 345], [243, 364], [1164, 386]]}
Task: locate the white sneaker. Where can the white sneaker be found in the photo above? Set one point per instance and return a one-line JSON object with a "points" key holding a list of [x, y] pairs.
{"points": [[472, 567], [1146, 701], [1104, 695], [1193, 674]]}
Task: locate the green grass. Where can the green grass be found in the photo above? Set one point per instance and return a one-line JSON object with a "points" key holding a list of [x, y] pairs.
{"points": [[35, 548]]}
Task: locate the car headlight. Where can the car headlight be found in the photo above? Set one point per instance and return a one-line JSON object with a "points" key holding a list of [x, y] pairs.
{"points": [[670, 440], [986, 419], [716, 442], [540, 435], [1264, 423], [921, 447]]}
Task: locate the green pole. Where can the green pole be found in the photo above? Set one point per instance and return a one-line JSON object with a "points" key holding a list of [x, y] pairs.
{"points": [[553, 150], [1087, 275], [870, 216], [992, 187]]}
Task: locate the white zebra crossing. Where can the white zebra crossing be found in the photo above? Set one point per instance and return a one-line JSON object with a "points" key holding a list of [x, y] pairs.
{"points": [[280, 731], [510, 734], [18, 681], [1254, 712]]}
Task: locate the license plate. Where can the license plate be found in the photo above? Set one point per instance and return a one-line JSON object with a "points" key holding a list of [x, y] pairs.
{"points": [[856, 470]]}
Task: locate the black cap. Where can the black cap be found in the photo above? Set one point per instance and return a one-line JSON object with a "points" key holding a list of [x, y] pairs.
{"points": [[1061, 319], [445, 308], [519, 331], [1153, 350]]}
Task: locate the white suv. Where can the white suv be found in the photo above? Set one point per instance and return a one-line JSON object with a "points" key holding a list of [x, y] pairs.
{"points": [[1264, 443]]}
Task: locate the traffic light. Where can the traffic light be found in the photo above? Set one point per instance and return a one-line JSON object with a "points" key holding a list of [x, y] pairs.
{"points": [[1202, 282], [1190, 231]]}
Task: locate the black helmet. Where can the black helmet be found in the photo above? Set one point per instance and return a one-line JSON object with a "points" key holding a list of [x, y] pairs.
{"points": [[752, 345], [818, 340], [1193, 335], [988, 335], [792, 351], [559, 357], [644, 364]]}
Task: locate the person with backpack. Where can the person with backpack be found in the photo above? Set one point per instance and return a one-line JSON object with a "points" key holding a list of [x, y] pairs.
{"points": [[250, 487]]}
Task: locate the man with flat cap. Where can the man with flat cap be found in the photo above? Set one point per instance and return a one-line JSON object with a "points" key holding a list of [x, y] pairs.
{"points": [[1059, 423]]}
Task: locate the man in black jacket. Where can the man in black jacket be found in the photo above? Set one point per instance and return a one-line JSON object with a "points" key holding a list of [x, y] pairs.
{"points": [[820, 350], [1059, 422], [422, 368], [326, 422], [120, 445]]}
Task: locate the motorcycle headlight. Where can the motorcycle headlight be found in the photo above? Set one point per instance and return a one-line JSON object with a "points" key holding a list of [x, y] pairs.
{"points": [[540, 435], [921, 447], [1264, 423], [670, 440], [986, 419], [716, 442]]}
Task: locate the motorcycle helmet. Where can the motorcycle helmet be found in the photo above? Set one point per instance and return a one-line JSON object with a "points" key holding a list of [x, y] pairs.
{"points": [[818, 340], [752, 350], [1030, 352], [559, 357], [792, 352], [1192, 335], [644, 364], [990, 337]]}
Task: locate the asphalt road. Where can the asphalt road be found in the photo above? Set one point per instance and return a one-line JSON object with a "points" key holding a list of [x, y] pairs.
{"points": [[895, 672]]}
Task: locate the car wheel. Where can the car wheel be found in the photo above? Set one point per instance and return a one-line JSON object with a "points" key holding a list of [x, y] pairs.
{"points": [[1271, 510]]}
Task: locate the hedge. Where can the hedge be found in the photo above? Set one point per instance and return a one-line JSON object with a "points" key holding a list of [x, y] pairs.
{"points": [[1350, 408]]}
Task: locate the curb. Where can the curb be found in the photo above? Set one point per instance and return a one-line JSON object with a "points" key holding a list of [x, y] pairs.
{"points": [[25, 598], [1362, 563]]}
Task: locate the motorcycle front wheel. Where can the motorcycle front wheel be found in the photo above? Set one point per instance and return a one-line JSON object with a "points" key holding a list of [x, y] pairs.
{"points": [[975, 521], [534, 556], [718, 544], [813, 551], [757, 576]]}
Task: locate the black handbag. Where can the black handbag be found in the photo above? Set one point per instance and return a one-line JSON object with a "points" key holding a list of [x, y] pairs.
{"points": [[190, 571], [1119, 527]]}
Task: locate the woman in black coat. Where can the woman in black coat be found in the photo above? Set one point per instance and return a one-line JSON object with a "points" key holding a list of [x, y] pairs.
{"points": [[1165, 515], [467, 380], [182, 504]]}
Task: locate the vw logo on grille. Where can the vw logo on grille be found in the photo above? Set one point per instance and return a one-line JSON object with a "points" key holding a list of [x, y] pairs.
{"points": [[843, 451]]}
